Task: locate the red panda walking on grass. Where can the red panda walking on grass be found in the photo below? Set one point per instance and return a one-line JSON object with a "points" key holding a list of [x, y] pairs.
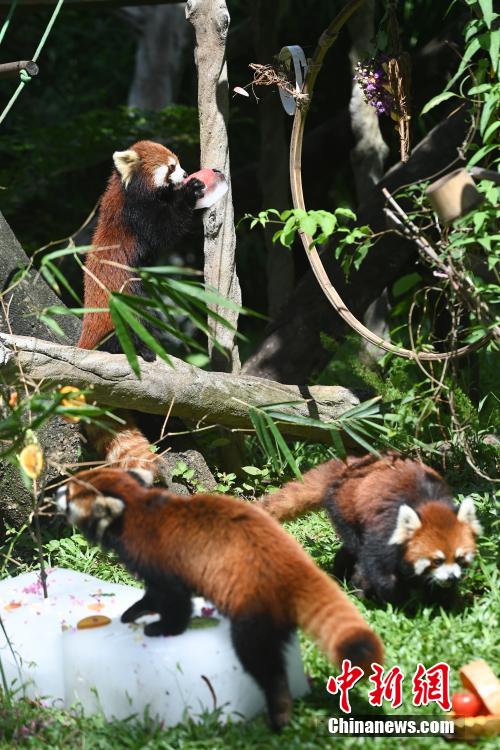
{"points": [[397, 521], [232, 553]]}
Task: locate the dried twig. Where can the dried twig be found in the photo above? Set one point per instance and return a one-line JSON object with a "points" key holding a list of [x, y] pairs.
{"points": [[276, 75]]}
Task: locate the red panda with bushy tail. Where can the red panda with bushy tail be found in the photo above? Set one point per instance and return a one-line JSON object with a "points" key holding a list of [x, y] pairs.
{"points": [[397, 521], [147, 207], [232, 553]]}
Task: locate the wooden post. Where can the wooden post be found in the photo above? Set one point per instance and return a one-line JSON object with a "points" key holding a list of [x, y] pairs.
{"points": [[210, 20]]}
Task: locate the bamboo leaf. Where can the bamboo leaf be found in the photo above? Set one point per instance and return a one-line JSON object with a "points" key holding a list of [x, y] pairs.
{"points": [[283, 447], [123, 335]]}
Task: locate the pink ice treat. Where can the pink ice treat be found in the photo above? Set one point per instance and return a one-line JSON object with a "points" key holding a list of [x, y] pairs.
{"points": [[215, 186]]}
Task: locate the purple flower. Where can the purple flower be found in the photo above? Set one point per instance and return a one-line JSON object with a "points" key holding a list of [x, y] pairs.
{"points": [[371, 77]]}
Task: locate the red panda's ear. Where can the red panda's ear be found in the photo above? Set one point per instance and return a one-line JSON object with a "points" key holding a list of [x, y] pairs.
{"points": [[467, 514], [126, 162], [104, 510], [407, 523]]}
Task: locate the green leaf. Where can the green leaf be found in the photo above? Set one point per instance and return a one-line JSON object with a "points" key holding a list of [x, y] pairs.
{"points": [[338, 443], [487, 11], [63, 281], [52, 324], [141, 331], [405, 283], [345, 212], [123, 335], [481, 153], [252, 470], [357, 437], [470, 51], [308, 225], [481, 89], [327, 222], [494, 49], [489, 108], [436, 100], [284, 448], [490, 130], [262, 433]]}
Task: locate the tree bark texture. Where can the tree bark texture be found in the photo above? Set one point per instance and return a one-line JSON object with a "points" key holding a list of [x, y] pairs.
{"points": [[292, 348], [192, 394], [161, 54], [210, 20]]}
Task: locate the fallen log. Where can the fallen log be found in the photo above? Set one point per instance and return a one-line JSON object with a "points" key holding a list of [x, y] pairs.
{"points": [[181, 389]]}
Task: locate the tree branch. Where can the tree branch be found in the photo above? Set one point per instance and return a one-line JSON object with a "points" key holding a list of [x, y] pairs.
{"points": [[210, 397]]}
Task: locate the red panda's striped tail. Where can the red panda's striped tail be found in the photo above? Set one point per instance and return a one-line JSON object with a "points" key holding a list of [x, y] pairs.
{"points": [[298, 497], [329, 616], [126, 447]]}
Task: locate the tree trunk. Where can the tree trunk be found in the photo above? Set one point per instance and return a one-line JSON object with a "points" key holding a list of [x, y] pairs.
{"points": [[196, 395], [210, 19], [161, 54], [273, 167]]}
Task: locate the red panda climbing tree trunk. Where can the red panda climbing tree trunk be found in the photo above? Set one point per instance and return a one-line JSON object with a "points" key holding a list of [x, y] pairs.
{"points": [[210, 20]]}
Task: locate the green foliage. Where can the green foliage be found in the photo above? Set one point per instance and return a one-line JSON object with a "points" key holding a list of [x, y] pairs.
{"points": [[479, 66], [171, 294], [351, 243], [24, 411], [77, 553], [362, 423]]}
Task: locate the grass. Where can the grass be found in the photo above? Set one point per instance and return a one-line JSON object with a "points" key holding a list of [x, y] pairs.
{"points": [[426, 636]]}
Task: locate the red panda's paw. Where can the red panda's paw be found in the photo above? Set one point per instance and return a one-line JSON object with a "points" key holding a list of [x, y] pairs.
{"points": [[146, 353], [193, 190], [142, 350]]}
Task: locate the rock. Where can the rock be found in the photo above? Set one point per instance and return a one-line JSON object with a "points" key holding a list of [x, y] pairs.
{"points": [[201, 479], [60, 440]]}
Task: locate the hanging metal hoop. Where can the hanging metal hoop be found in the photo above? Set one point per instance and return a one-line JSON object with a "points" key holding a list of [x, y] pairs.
{"points": [[326, 40]]}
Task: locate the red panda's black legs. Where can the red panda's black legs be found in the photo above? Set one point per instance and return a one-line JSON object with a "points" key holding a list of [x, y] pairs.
{"points": [[144, 606], [259, 645], [171, 599], [378, 570], [343, 564], [349, 535]]}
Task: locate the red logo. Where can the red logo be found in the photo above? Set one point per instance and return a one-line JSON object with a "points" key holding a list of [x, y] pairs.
{"points": [[343, 683], [387, 688], [432, 685]]}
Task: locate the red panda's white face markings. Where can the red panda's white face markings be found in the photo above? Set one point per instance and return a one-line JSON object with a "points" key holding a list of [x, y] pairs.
{"points": [[437, 542], [157, 165], [92, 500]]}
